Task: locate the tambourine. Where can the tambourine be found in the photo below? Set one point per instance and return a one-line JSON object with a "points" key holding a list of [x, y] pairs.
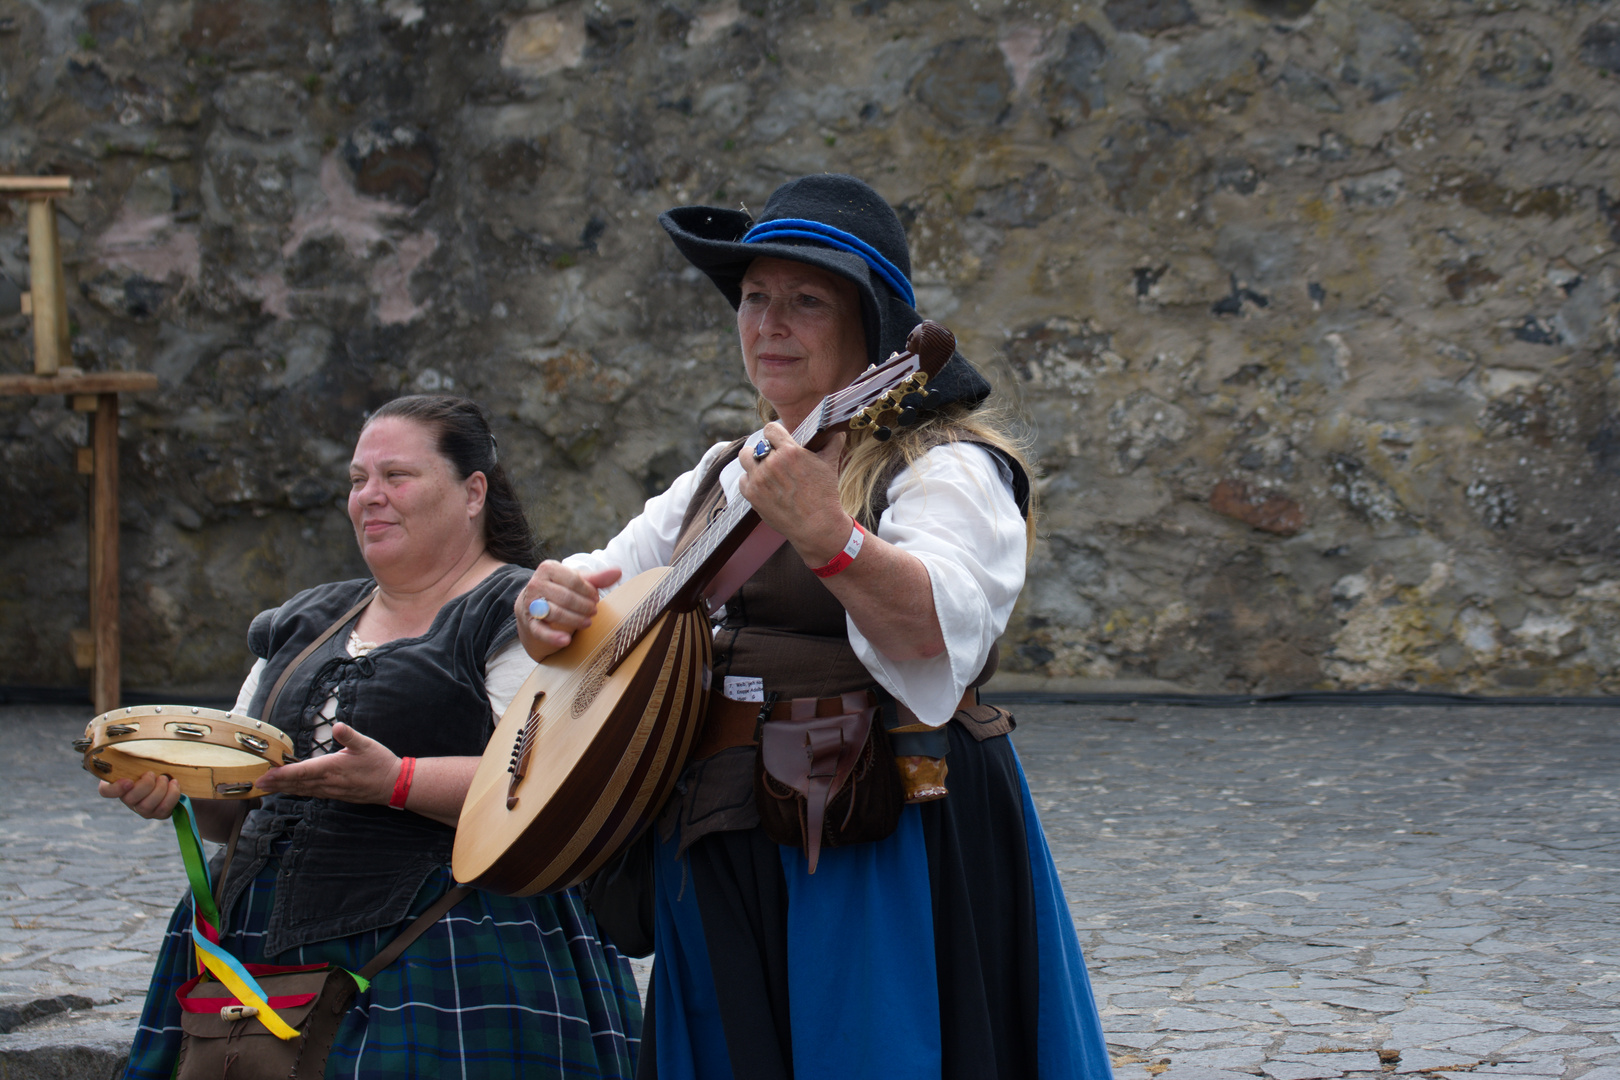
{"points": [[213, 754]]}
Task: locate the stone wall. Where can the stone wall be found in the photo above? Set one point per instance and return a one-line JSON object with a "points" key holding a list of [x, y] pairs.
{"points": [[1311, 307]]}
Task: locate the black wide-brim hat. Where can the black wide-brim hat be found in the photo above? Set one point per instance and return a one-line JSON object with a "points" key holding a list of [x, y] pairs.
{"points": [[839, 224]]}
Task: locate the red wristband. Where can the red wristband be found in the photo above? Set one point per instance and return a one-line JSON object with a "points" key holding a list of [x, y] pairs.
{"points": [[402, 786], [852, 548]]}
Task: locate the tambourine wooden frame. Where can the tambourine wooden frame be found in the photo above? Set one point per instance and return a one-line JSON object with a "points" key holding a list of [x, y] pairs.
{"points": [[163, 723]]}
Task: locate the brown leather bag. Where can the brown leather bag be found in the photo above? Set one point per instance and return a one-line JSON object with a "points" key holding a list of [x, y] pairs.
{"points": [[223, 1043], [827, 779], [218, 1041]]}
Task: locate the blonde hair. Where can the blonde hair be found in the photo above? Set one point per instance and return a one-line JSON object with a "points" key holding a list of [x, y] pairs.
{"points": [[867, 459]]}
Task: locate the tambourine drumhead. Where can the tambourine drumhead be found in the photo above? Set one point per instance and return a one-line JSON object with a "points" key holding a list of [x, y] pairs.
{"points": [[213, 754], [197, 755]]}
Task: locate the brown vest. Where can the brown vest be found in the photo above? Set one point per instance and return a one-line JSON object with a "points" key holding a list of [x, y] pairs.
{"points": [[782, 625]]}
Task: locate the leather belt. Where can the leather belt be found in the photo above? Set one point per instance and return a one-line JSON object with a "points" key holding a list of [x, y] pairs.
{"points": [[731, 723]]}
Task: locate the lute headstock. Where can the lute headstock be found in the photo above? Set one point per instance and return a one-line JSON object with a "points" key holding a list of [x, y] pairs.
{"points": [[878, 391], [881, 389]]}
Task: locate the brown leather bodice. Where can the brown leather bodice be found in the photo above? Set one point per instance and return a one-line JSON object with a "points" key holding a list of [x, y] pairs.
{"points": [[785, 627], [782, 625]]}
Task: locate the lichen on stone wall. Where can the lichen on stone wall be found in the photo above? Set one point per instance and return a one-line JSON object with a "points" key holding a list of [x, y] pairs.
{"points": [[1301, 301]]}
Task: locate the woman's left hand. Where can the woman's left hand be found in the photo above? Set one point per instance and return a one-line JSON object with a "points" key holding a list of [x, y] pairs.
{"points": [[885, 590], [795, 491], [363, 771]]}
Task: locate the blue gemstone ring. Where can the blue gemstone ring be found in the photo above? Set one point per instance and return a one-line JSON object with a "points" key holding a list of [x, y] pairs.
{"points": [[761, 449], [539, 608]]}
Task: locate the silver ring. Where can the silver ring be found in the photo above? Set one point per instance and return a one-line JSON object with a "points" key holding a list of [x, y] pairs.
{"points": [[762, 449], [539, 608]]}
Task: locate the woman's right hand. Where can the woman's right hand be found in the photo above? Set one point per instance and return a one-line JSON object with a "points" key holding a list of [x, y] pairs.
{"points": [[571, 599], [152, 796]]}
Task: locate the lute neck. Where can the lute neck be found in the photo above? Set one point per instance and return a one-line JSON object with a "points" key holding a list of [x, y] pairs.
{"points": [[704, 557], [700, 552]]}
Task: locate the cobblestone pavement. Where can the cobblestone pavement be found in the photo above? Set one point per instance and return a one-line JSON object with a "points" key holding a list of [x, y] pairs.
{"points": [[1324, 892], [86, 889], [1302, 893]]}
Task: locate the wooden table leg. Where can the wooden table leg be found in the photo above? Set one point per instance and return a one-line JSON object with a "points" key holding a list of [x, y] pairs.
{"points": [[104, 687]]}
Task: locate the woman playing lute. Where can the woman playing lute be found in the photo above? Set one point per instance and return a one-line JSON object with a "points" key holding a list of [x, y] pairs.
{"points": [[945, 948]]}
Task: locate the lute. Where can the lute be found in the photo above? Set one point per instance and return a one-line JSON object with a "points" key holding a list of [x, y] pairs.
{"points": [[596, 737]]}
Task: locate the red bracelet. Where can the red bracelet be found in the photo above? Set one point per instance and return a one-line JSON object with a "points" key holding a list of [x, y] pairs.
{"points": [[402, 786], [852, 548]]}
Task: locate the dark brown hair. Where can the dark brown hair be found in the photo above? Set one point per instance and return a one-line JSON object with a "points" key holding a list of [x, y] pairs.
{"points": [[466, 442]]}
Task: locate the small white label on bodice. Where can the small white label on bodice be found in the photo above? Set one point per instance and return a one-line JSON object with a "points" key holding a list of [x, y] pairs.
{"points": [[739, 688]]}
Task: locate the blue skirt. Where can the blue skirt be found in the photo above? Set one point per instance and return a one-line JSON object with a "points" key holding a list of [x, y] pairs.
{"points": [[498, 987], [944, 952]]}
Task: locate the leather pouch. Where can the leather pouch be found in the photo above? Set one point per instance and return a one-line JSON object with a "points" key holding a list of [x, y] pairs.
{"points": [[218, 1041], [827, 780]]}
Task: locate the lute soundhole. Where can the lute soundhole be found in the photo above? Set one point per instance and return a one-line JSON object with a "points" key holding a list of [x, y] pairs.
{"points": [[590, 688]]}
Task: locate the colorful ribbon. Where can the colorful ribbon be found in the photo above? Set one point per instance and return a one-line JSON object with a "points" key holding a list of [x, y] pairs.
{"points": [[211, 957]]}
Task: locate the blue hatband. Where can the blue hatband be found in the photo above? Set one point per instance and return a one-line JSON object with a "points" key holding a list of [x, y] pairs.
{"points": [[804, 229]]}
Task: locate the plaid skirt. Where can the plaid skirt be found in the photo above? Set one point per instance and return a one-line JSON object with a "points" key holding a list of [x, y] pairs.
{"points": [[499, 987]]}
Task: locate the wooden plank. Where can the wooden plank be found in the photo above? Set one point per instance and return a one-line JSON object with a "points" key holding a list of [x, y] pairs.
{"points": [[83, 382], [104, 684], [45, 282], [29, 185], [64, 346]]}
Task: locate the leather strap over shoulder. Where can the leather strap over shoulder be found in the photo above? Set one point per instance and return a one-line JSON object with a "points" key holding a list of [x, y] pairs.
{"points": [[269, 706], [230, 850], [414, 931], [342, 621]]}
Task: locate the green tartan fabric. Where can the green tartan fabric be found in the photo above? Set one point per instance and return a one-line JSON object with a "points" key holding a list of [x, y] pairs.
{"points": [[499, 987]]}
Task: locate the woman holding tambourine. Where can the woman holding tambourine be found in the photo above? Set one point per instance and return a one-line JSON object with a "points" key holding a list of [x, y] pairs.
{"points": [[389, 713]]}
